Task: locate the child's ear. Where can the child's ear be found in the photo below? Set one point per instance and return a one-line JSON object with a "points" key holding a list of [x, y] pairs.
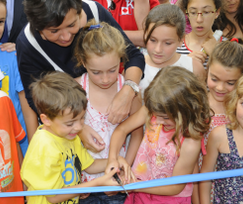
{"points": [[45, 119], [181, 40], [217, 13]]}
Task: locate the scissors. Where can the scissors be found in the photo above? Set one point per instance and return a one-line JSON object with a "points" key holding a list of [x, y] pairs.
{"points": [[115, 176]]}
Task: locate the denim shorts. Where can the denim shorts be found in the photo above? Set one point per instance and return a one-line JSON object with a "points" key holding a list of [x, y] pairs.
{"points": [[102, 198]]}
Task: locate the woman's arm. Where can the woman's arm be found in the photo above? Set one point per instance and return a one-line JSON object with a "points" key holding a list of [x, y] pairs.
{"points": [[209, 161], [121, 104], [185, 165]]}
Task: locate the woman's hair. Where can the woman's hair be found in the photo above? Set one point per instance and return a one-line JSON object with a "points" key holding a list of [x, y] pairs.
{"points": [[56, 91], [49, 13], [231, 103], [177, 92], [165, 14], [185, 3], [4, 2], [222, 21], [228, 54], [99, 39]]}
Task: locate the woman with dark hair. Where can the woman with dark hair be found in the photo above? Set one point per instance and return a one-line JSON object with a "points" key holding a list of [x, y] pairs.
{"points": [[230, 20], [47, 42]]}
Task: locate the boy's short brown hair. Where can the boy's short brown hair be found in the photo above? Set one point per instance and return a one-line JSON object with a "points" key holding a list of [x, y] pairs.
{"points": [[56, 91]]}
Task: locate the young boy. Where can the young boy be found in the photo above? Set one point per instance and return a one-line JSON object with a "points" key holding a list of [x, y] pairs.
{"points": [[55, 157]]}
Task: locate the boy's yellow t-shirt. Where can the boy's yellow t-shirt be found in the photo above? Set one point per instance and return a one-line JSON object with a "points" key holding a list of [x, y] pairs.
{"points": [[52, 162]]}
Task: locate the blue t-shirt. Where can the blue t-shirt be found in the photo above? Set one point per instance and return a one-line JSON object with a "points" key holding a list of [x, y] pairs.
{"points": [[11, 84]]}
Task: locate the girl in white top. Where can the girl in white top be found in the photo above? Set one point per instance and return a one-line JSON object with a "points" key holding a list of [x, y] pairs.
{"points": [[100, 48], [164, 32]]}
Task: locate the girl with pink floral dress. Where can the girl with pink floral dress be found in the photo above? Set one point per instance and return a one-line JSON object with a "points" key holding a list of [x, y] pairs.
{"points": [[176, 113], [102, 48]]}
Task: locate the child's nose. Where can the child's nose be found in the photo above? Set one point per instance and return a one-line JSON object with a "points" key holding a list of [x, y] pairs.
{"points": [[220, 87], [158, 48]]}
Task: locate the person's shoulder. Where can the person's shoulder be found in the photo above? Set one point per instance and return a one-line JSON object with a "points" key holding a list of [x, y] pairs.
{"points": [[218, 133]]}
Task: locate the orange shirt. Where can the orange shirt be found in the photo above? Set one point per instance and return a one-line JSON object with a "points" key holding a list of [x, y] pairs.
{"points": [[11, 132]]}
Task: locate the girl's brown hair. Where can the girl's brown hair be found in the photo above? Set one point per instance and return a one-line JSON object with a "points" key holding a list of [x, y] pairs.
{"points": [[228, 54], [177, 92], [165, 14], [99, 39], [231, 103]]}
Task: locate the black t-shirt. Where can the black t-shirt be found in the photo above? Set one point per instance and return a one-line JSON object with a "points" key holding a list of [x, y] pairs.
{"points": [[31, 63]]}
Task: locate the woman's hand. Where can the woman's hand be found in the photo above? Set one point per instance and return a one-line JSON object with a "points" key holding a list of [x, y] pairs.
{"points": [[121, 105], [84, 195], [8, 46], [91, 139]]}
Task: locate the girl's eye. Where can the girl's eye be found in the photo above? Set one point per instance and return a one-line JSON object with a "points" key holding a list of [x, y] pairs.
{"points": [[168, 43], [95, 73], [231, 83], [152, 40], [2, 22], [213, 79], [70, 124], [113, 70]]}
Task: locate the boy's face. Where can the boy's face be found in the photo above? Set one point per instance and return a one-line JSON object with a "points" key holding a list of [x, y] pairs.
{"points": [[2, 18], [65, 125]]}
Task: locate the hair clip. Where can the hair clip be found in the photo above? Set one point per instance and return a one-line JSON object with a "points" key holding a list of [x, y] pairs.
{"points": [[234, 39], [95, 27]]}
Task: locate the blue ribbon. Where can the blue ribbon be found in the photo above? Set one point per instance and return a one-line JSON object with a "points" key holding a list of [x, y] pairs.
{"points": [[138, 185]]}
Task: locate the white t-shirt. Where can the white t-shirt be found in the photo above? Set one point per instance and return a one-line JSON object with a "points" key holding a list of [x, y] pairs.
{"points": [[150, 72]]}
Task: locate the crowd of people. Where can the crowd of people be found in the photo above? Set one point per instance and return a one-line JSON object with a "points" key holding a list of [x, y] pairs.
{"points": [[140, 88]]}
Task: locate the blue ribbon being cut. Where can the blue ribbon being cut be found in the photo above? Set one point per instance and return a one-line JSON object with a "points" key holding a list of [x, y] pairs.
{"points": [[143, 184]]}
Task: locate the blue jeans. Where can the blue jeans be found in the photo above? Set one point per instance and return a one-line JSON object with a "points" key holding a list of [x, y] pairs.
{"points": [[102, 198]]}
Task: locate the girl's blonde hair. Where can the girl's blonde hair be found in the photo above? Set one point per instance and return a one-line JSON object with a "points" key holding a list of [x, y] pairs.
{"points": [[228, 54], [231, 103], [177, 92], [99, 39]]}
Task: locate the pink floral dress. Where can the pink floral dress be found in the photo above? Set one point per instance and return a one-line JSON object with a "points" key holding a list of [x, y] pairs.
{"points": [[156, 159], [99, 122]]}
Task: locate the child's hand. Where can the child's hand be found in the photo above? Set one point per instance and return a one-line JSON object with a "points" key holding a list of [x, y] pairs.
{"points": [[107, 179], [84, 195], [126, 170], [198, 55], [112, 164], [209, 44]]}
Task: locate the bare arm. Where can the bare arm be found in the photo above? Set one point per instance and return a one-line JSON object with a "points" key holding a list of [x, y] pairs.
{"points": [[190, 149], [209, 161], [136, 36], [103, 180], [30, 116], [195, 193], [141, 10], [199, 70], [136, 135], [120, 133]]}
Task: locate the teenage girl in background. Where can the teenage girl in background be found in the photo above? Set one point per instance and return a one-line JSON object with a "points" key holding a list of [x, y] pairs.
{"points": [[202, 14], [176, 112], [225, 149], [99, 49]]}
